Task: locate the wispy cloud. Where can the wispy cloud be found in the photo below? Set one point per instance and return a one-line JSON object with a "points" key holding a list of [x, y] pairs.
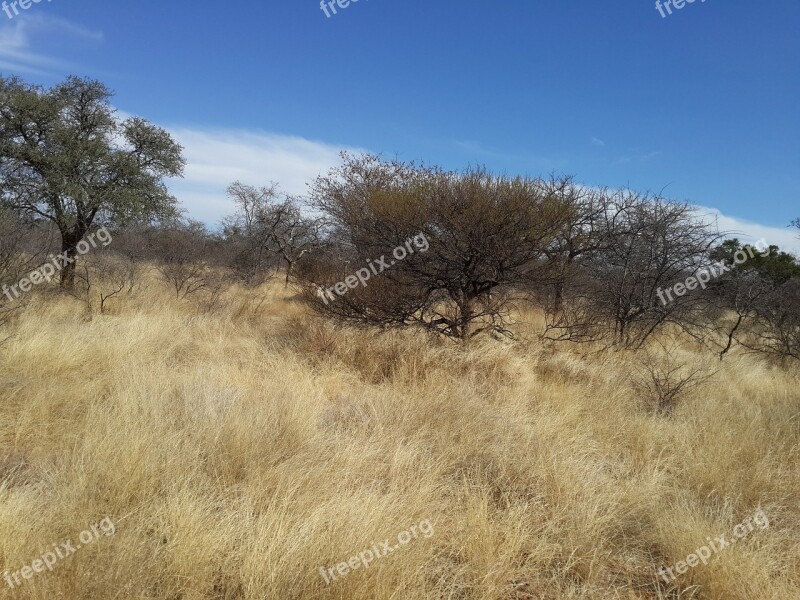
{"points": [[747, 231], [597, 142], [21, 38], [217, 157]]}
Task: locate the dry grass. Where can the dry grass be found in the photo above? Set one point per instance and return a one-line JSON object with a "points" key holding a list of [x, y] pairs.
{"points": [[241, 450]]}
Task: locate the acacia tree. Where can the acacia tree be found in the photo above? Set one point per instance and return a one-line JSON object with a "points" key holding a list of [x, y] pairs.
{"points": [[776, 330], [290, 234], [66, 158], [735, 295], [477, 236]]}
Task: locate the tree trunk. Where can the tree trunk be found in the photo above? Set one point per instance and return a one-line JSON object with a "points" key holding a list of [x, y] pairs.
{"points": [[69, 249], [68, 267], [560, 284], [558, 298], [289, 267], [731, 336], [466, 315]]}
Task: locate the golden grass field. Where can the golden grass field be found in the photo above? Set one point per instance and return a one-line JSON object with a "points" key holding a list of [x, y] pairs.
{"points": [[239, 451]]}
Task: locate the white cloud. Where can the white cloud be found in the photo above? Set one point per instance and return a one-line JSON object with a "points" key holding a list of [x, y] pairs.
{"points": [[27, 31], [597, 142], [217, 158], [784, 237]]}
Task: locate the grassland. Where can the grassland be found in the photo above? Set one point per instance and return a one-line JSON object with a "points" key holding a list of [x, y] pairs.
{"points": [[238, 451]]}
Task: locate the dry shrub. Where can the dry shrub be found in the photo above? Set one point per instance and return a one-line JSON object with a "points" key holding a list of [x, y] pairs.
{"points": [[661, 379]]}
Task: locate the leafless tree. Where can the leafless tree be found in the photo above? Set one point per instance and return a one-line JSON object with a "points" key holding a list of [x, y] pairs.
{"points": [[109, 274], [22, 248], [736, 299], [181, 254], [246, 254], [775, 329], [290, 234], [621, 287], [268, 225], [583, 232]]}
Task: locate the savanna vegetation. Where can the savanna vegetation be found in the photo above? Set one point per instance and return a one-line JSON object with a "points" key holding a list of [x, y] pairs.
{"points": [[521, 383]]}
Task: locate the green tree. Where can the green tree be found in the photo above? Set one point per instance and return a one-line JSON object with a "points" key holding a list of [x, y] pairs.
{"points": [[779, 266], [65, 157], [756, 302]]}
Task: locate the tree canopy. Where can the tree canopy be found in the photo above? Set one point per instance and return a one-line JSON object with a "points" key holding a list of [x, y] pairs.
{"points": [[67, 158]]}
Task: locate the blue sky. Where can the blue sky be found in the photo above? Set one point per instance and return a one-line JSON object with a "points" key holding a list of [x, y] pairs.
{"points": [[702, 103]]}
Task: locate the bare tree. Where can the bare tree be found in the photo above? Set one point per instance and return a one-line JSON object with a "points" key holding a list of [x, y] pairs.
{"points": [[290, 234], [737, 299], [583, 232], [111, 275], [246, 253], [181, 254], [267, 226], [734, 296], [776, 329], [623, 286], [22, 248]]}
